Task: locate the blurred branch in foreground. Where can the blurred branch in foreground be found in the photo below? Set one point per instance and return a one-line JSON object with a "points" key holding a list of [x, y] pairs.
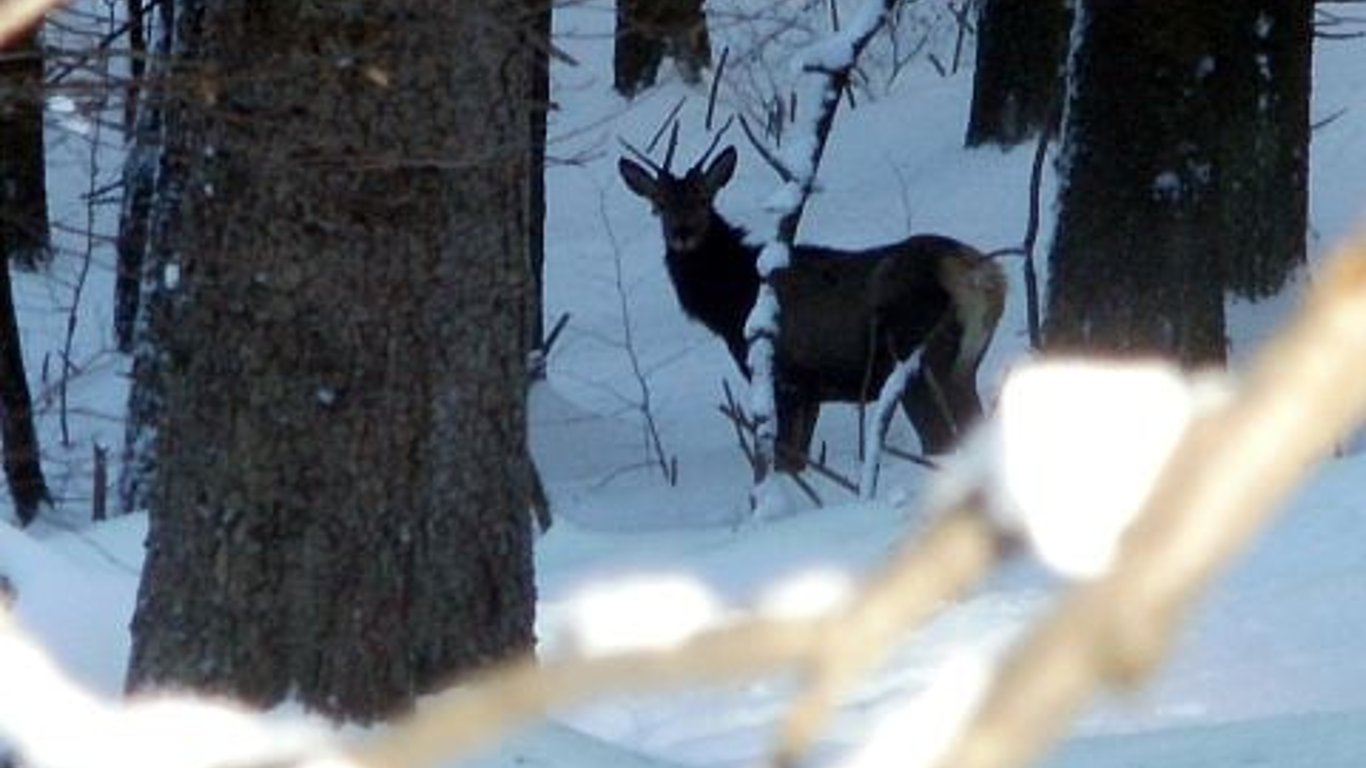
{"points": [[1234, 465], [1231, 471], [17, 15], [1228, 474]]}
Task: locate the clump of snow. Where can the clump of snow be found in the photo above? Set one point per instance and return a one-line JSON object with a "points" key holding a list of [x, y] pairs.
{"points": [[1074, 450], [641, 612]]}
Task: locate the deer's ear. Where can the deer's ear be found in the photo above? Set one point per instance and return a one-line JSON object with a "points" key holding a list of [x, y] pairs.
{"points": [[720, 170], [637, 179]]}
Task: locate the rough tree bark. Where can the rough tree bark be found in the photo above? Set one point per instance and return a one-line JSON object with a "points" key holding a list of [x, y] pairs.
{"points": [[647, 30], [340, 511], [1017, 86], [1135, 265]]}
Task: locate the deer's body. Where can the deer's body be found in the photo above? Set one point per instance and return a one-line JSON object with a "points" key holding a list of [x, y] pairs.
{"points": [[846, 317]]}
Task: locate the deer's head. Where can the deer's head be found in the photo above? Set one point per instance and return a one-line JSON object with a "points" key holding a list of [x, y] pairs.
{"points": [[682, 203]]}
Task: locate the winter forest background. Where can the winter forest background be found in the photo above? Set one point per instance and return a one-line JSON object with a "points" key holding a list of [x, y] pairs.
{"points": [[340, 365]]}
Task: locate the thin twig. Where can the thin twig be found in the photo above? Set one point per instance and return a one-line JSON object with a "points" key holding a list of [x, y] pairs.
{"points": [[1031, 237], [670, 120], [769, 157], [715, 88], [654, 443]]}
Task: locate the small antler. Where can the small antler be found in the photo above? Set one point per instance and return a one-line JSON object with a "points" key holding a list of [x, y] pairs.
{"points": [[715, 142], [672, 149], [673, 145]]}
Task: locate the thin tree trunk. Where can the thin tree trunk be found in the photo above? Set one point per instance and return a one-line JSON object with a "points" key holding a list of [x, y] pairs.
{"points": [[155, 175], [144, 118], [23, 463], [340, 513]]}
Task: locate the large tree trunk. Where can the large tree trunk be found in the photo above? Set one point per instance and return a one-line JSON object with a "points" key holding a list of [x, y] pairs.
{"points": [[1135, 264], [339, 512], [24, 236], [1017, 87], [1264, 73], [647, 31]]}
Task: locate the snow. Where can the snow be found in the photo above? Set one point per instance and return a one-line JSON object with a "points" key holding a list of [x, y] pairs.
{"points": [[1074, 451], [1270, 671]]}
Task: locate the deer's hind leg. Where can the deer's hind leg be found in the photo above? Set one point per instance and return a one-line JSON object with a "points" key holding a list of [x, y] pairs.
{"points": [[941, 400], [797, 412]]}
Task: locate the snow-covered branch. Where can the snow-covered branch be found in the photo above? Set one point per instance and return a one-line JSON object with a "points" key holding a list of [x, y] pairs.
{"points": [[823, 71]]}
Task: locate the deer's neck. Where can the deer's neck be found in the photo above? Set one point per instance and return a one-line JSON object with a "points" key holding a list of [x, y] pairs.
{"points": [[717, 281]]}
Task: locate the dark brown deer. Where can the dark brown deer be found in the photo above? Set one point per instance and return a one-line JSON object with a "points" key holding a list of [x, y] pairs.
{"points": [[846, 317]]}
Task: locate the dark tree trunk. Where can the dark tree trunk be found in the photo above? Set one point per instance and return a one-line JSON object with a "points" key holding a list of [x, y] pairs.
{"points": [[1264, 69], [1135, 266], [647, 31], [1017, 87], [23, 461], [137, 61], [23, 242], [540, 11], [24, 236], [340, 512], [143, 114]]}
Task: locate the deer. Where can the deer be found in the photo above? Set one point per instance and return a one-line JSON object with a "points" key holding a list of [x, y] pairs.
{"points": [[846, 318]]}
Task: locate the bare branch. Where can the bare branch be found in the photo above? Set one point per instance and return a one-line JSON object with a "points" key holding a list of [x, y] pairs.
{"points": [[670, 121], [1031, 237], [715, 87], [715, 141], [777, 165]]}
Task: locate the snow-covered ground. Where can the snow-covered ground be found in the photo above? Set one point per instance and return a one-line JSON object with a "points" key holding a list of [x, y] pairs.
{"points": [[1268, 673]]}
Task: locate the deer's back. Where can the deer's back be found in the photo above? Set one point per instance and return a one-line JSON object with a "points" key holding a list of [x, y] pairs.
{"points": [[843, 310]]}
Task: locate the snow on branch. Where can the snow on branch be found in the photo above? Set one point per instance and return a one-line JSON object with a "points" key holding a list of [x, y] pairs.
{"points": [[823, 74]]}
